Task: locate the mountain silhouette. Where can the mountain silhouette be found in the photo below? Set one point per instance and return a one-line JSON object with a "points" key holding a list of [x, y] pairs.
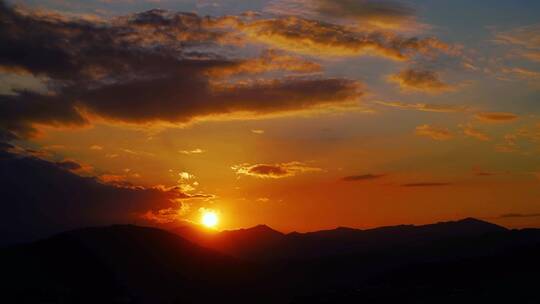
{"points": [[466, 261], [262, 242], [133, 264], [240, 243]]}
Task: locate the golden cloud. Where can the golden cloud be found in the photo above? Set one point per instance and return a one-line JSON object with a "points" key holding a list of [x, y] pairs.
{"points": [[425, 107], [274, 170], [311, 37]]}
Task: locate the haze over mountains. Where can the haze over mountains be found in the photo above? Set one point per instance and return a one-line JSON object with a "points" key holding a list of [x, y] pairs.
{"points": [[466, 261]]}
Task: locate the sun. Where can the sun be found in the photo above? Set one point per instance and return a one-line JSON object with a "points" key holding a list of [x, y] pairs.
{"points": [[210, 219]]}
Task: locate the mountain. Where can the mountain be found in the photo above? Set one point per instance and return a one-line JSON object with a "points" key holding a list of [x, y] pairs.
{"points": [[117, 264], [466, 261], [262, 242]]}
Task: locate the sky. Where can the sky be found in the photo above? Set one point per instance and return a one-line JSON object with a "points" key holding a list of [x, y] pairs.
{"points": [[299, 114]]}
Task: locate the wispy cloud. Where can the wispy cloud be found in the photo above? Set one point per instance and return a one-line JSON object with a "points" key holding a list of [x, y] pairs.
{"points": [[362, 177], [436, 133], [426, 184], [425, 107], [193, 151], [473, 132], [311, 37], [525, 37]]}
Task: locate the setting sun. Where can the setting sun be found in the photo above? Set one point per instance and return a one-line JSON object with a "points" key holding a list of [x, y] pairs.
{"points": [[210, 219]]}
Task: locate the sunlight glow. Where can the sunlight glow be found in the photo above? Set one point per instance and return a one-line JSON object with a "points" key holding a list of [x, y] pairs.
{"points": [[210, 219]]}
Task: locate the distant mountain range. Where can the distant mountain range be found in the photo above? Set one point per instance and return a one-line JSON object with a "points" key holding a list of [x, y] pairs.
{"points": [[262, 242], [466, 261]]}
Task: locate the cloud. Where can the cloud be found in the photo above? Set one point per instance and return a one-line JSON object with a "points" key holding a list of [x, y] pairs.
{"points": [[435, 133], [525, 37], [420, 80], [481, 172], [378, 14], [496, 117], [521, 74], [169, 215], [68, 165], [426, 184], [470, 131], [114, 179], [440, 108], [531, 55], [257, 131], [311, 37], [365, 14], [270, 60], [42, 197], [151, 67], [193, 151], [96, 147], [363, 177], [274, 170]]}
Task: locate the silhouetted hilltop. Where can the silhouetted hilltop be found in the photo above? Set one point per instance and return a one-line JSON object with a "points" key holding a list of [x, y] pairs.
{"points": [[123, 262]]}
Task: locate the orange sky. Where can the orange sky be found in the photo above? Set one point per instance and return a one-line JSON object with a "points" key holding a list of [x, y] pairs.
{"points": [[303, 118]]}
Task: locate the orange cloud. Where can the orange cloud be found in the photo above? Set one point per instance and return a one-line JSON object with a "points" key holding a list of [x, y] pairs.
{"points": [[274, 170], [420, 80], [527, 38], [270, 60], [440, 108], [366, 14], [317, 38], [496, 117], [435, 133], [470, 131], [193, 151], [378, 14]]}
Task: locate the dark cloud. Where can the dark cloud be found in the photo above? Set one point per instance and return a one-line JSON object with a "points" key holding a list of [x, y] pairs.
{"points": [[363, 177], [148, 67], [426, 184], [41, 197], [496, 117], [69, 165]]}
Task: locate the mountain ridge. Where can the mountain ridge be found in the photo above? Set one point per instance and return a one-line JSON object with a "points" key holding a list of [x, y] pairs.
{"points": [[134, 264], [261, 241]]}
